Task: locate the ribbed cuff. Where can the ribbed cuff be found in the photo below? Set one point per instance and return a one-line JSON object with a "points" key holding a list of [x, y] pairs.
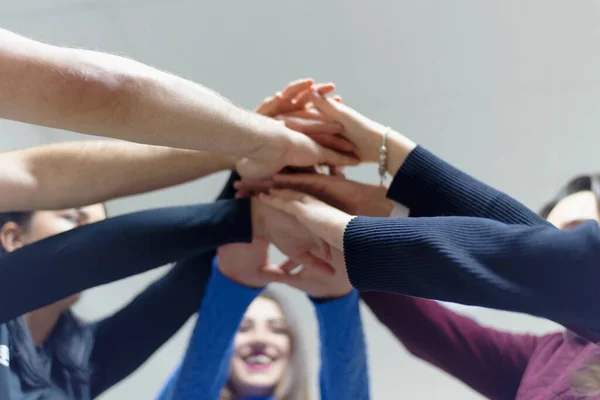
{"points": [[234, 220], [429, 186], [332, 306], [366, 263]]}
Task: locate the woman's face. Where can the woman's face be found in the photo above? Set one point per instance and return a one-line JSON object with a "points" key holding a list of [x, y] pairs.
{"points": [[262, 348], [44, 224], [574, 210]]}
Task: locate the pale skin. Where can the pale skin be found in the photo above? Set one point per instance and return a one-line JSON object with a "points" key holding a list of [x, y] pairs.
{"points": [[74, 174], [106, 95], [326, 222]]}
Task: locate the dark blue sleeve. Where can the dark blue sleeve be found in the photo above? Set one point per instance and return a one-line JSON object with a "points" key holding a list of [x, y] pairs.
{"points": [[430, 187], [54, 268], [128, 338], [205, 367], [536, 270], [344, 367]]}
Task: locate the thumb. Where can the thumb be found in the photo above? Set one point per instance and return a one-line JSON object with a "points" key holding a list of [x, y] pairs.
{"points": [[252, 170], [334, 158]]}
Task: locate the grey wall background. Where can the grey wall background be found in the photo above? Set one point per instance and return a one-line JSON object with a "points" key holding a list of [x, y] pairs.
{"points": [[508, 91]]}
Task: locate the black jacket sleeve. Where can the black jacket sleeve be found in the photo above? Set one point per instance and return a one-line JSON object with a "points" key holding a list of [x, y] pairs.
{"points": [[124, 341], [54, 268]]}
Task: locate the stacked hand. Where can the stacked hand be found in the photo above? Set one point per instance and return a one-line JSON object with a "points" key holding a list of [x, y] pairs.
{"points": [[304, 213], [305, 140]]}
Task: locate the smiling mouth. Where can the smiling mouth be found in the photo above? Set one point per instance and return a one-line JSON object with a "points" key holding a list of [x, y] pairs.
{"points": [[258, 362]]}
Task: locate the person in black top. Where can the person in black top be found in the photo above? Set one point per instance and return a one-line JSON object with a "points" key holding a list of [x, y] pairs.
{"points": [[49, 353]]}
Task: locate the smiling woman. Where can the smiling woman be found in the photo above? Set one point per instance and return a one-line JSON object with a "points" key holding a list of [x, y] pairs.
{"points": [[268, 355]]}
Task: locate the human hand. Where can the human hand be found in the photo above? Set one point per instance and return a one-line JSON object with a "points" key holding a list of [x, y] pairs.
{"points": [[312, 280], [291, 106], [290, 148], [325, 222], [245, 263], [365, 133], [288, 235], [349, 196]]}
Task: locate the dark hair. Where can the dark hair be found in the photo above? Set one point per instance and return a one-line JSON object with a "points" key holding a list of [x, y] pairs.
{"points": [[70, 342], [586, 380], [578, 184], [294, 384]]}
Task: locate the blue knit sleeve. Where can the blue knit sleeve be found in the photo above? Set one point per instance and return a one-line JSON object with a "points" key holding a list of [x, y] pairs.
{"points": [[344, 368], [205, 367], [431, 187], [537, 270]]}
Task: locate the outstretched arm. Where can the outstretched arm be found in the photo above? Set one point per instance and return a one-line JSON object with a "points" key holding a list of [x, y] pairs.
{"points": [[488, 360], [69, 175], [106, 95], [54, 268]]}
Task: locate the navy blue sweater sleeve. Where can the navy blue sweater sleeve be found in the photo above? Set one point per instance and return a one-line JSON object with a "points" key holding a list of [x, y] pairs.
{"points": [[344, 367], [56, 267], [205, 367], [430, 187], [127, 339], [537, 270]]}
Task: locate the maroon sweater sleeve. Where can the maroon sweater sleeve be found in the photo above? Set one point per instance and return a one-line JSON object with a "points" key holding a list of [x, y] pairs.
{"points": [[491, 362]]}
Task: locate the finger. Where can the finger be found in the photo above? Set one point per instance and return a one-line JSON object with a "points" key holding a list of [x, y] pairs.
{"points": [[307, 113], [294, 88], [337, 171], [242, 194], [291, 206], [323, 220], [315, 180], [288, 266], [323, 89], [330, 157], [331, 108], [253, 185], [308, 126], [337, 98], [270, 106], [254, 170], [334, 142], [308, 260]]}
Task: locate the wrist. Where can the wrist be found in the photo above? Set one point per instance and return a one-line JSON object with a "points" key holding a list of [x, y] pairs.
{"points": [[381, 205], [398, 149]]}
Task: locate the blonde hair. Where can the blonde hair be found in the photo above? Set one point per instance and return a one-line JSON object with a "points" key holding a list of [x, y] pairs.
{"points": [[294, 384]]}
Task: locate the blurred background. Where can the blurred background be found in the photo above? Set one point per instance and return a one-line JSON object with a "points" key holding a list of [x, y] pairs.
{"points": [[508, 91]]}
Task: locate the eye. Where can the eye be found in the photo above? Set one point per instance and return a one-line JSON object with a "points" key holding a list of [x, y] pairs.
{"points": [[71, 216], [245, 326], [279, 327]]}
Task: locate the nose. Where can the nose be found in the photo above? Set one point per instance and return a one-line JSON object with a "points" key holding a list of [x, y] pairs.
{"points": [[258, 346]]}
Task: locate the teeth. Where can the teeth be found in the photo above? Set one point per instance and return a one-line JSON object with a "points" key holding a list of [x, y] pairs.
{"points": [[259, 359]]}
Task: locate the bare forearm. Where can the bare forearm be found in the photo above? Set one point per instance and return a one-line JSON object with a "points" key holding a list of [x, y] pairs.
{"points": [[107, 95], [75, 174]]}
